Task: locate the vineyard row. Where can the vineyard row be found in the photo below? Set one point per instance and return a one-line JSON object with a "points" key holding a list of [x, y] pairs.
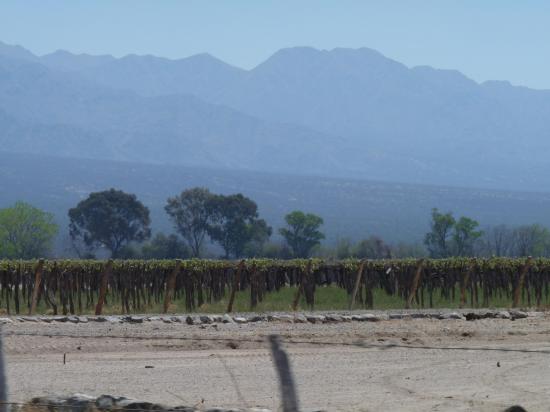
{"points": [[76, 286]]}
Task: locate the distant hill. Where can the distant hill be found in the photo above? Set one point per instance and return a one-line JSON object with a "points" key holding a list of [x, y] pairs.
{"points": [[350, 208], [62, 114], [381, 119]]}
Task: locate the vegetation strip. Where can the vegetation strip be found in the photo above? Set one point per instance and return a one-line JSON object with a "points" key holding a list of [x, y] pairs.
{"points": [[77, 286]]}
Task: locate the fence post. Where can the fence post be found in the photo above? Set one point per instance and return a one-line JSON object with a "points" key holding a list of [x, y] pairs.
{"points": [[236, 280], [36, 289], [301, 287], [171, 286], [286, 381], [521, 281], [357, 282], [414, 286], [465, 280], [103, 287]]}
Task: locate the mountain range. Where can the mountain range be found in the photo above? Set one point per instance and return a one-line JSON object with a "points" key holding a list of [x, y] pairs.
{"points": [[344, 113]]}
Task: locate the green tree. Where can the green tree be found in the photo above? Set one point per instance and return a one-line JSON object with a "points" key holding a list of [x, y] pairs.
{"points": [[465, 235], [109, 219], [437, 240], [302, 232], [191, 212], [235, 224], [26, 232]]}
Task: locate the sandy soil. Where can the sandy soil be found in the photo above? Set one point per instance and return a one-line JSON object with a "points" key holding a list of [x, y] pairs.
{"points": [[410, 365]]}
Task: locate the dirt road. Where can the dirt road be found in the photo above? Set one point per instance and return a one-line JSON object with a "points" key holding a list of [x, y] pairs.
{"points": [[410, 365]]}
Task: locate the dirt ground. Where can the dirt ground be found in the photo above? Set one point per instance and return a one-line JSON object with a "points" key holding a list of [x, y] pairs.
{"points": [[396, 365]]}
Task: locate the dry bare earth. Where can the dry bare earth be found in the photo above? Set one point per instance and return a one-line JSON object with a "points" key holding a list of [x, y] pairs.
{"points": [[412, 365]]}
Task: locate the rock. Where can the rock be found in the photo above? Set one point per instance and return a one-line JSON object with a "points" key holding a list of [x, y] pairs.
{"points": [[346, 318], [83, 319], [517, 314], [80, 403], [30, 318], [481, 315], [420, 315], [367, 317], [60, 318], [316, 318], [257, 318], [177, 319], [134, 405], [451, 315], [116, 319], [153, 318], [97, 319], [239, 319], [300, 319], [85, 403], [222, 410], [206, 319], [183, 409], [73, 319], [105, 402], [281, 318], [46, 319], [334, 318], [227, 319], [166, 319], [133, 319], [395, 316], [189, 320], [503, 314]]}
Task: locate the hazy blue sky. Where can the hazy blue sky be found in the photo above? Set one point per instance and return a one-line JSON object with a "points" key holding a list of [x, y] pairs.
{"points": [[485, 39]]}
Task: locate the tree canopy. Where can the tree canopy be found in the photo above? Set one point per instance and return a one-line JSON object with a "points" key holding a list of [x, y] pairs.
{"points": [[302, 232], [191, 212], [465, 235], [437, 240], [109, 219], [26, 232], [235, 224]]}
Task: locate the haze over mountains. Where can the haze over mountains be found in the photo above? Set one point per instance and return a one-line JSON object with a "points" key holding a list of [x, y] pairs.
{"points": [[343, 112]]}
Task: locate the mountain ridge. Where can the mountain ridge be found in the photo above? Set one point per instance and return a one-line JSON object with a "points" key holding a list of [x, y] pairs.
{"points": [[341, 112]]}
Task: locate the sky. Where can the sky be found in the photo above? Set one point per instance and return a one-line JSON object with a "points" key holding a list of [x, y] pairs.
{"points": [[484, 39]]}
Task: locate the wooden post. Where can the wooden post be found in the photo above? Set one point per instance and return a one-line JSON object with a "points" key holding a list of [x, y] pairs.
{"points": [[465, 280], [37, 281], [357, 282], [236, 280], [416, 281], [171, 286], [253, 287], [521, 281], [301, 287], [103, 287]]}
